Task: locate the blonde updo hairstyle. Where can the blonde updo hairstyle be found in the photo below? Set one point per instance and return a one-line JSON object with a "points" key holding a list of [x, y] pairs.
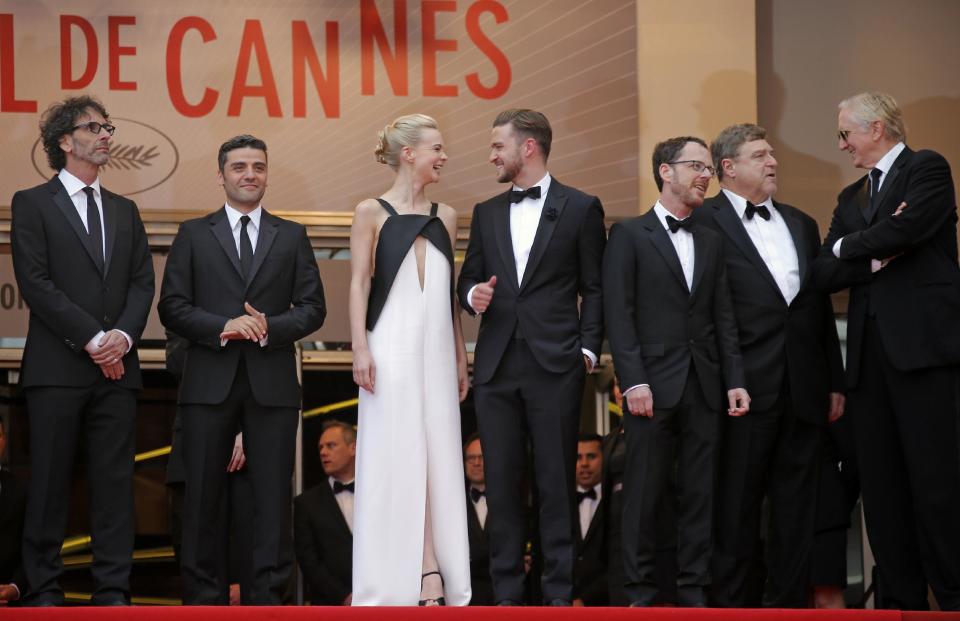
{"points": [[403, 132]]}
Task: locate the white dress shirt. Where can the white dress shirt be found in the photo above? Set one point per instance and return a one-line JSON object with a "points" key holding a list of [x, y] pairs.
{"points": [[884, 164], [253, 227], [481, 508], [773, 241], [587, 508], [74, 187], [345, 501]]}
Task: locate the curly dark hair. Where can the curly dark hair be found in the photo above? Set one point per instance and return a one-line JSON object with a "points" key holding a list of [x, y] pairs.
{"points": [[59, 120]]}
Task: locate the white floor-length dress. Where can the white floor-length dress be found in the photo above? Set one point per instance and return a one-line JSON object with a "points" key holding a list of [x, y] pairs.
{"points": [[408, 445]]}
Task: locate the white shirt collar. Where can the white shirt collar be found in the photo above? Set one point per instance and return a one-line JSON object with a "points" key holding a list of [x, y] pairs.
{"points": [[662, 214], [886, 162], [543, 183], [74, 185], [234, 216], [740, 203]]}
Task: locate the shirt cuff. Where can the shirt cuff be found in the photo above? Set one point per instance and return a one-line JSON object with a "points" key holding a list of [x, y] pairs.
{"points": [[94, 343], [470, 298], [875, 265], [637, 386], [592, 356], [836, 248]]}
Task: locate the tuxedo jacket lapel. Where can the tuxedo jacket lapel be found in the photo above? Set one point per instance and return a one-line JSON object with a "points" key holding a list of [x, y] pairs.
{"points": [[69, 210], [661, 241], [554, 203], [501, 225], [265, 237], [699, 265], [110, 225], [888, 182], [796, 232], [333, 507], [220, 227]]}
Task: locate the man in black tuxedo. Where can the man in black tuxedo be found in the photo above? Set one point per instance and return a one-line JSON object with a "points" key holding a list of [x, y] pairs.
{"points": [[539, 247], [673, 337], [893, 242], [590, 570], [794, 371], [13, 504], [242, 286], [323, 520], [481, 586], [82, 262]]}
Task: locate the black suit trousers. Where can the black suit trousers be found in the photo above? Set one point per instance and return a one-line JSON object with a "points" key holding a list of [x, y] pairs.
{"points": [[680, 441], [772, 454], [907, 426], [524, 401], [269, 436], [104, 415]]}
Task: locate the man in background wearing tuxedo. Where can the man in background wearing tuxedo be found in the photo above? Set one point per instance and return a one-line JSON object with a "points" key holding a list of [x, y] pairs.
{"points": [[323, 520], [481, 586], [590, 571]]}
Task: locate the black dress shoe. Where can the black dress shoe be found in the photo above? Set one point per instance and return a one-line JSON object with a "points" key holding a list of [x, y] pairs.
{"points": [[559, 602], [508, 602]]}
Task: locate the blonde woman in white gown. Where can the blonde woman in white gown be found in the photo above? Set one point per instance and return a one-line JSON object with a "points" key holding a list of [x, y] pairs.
{"points": [[410, 525]]}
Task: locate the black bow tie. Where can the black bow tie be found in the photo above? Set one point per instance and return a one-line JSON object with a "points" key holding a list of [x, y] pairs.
{"points": [[342, 487], [760, 210], [518, 195], [674, 225], [590, 493], [477, 494]]}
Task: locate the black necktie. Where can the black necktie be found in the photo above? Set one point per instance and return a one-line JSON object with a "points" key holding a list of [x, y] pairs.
{"points": [[477, 494], [93, 226], [590, 493], [246, 248], [518, 195], [759, 210], [337, 485], [675, 225], [875, 175]]}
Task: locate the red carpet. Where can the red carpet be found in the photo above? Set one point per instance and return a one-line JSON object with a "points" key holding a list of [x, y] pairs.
{"points": [[291, 613]]}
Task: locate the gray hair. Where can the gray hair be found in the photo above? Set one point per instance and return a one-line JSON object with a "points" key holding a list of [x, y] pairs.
{"points": [[729, 141], [876, 106]]}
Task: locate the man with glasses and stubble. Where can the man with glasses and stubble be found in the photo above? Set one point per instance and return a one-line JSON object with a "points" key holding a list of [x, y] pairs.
{"points": [[81, 260], [673, 336]]}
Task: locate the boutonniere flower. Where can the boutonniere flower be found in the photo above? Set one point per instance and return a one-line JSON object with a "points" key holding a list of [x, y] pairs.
{"points": [[550, 213]]}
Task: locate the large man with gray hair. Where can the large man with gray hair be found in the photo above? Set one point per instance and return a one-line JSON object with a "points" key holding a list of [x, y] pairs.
{"points": [[791, 355], [893, 243]]}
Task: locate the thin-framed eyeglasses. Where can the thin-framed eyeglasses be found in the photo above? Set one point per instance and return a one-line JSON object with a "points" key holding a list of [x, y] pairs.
{"points": [[697, 166], [94, 127]]}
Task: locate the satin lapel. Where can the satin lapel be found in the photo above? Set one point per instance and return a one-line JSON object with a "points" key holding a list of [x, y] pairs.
{"points": [[731, 224], [69, 211], [333, 507], [661, 241], [796, 232], [556, 200], [862, 200], [265, 237], [898, 164], [501, 225], [699, 252], [220, 227], [110, 224]]}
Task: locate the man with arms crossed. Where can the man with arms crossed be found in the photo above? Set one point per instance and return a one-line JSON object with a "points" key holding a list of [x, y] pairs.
{"points": [[893, 242]]}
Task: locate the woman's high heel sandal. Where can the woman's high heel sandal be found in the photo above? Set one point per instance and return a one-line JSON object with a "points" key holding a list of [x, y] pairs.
{"points": [[439, 601]]}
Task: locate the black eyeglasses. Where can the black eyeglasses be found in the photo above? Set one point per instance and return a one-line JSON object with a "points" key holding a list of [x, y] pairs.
{"points": [[94, 127], [697, 166], [843, 133]]}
